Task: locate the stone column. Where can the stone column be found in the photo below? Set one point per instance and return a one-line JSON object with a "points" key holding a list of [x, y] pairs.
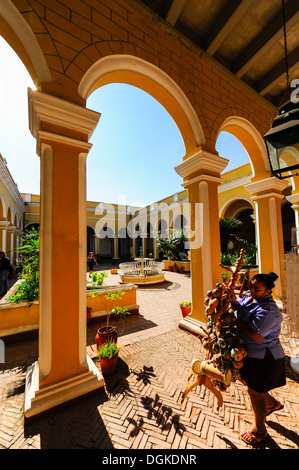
{"points": [[294, 200], [115, 247], [3, 234], [10, 242], [17, 235], [155, 248], [201, 173], [143, 240], [63, 370], [133, 254], [267, 196]]}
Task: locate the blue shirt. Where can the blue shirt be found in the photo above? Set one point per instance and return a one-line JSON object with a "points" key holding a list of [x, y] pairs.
{"points": [[263, 317]]}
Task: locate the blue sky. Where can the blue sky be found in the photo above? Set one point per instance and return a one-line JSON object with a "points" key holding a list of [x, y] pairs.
{"points": [[136, 144]]}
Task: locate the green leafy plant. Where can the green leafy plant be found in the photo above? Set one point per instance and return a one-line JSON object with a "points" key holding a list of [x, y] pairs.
{"points": [[185, 304], [108, 350], [229, 230], [97, 279], [28, 289], [171, 247], [116, 310]]}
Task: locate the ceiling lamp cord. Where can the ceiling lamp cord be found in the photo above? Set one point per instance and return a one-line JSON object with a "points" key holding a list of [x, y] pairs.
{"points": [[287, 92], [285, 46]]}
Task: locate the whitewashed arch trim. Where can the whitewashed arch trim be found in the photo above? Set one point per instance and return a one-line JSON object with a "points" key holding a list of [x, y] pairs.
{"points": [[123, 62], [252, 131], [20, 27]]}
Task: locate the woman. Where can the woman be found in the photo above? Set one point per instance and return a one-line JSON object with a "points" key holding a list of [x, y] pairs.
{"points": [[90, 262], [258, 319]]}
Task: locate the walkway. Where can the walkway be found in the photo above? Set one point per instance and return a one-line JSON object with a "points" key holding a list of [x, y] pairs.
{"points": [[140, 408]]}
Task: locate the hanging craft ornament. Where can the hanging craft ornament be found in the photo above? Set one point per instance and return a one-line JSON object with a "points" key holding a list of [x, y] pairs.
{"points": [[224, 348]]}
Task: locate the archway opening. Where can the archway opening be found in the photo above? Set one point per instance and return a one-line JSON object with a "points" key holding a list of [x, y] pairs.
{"points": [[228, 146], [136, 146], [18, 147]]}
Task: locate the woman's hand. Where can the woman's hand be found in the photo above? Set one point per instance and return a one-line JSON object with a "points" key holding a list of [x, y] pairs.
{"points": [[233, 302], [248, 331]]}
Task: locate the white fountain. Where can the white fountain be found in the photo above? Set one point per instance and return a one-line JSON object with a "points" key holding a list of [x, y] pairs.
{"points": [[142, 271]]}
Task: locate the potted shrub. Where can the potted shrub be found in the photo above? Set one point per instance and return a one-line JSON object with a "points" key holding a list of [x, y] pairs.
{"points": [[185, 308], [106, 332], [108, 355]]}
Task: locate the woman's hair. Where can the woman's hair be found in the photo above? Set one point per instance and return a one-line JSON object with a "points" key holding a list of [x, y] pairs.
{"points": [[267, 280]]}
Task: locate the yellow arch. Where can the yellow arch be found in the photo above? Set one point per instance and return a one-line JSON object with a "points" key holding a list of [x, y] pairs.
{"points": [[16, 31], [122, 68], [252, 141]]}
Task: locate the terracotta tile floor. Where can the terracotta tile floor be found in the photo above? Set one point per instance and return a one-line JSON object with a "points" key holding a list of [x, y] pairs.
{"points": [[140, 406]]}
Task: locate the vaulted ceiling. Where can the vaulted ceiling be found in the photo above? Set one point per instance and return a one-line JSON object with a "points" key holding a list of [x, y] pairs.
{"points": [[245, 36]]}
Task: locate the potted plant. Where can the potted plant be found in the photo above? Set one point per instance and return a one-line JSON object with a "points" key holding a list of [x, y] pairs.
{"points": [[170, 268], [175, 268], [106, 332], [108, 355], [185, 308]]}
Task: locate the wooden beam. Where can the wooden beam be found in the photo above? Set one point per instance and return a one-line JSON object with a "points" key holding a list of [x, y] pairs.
{"points": [[228, 19], [277, 73], [266, 39], [174, 11]]}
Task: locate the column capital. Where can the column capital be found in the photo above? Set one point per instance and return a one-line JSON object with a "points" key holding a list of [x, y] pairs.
{"points": [[50, 115], [293, 199], [202, 163], [4, 223], [268, 186]]}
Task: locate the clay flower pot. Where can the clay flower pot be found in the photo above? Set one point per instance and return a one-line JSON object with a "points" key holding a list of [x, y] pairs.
{"points": [[108, 366], [185, 308], [103, 335], [108, 355]]}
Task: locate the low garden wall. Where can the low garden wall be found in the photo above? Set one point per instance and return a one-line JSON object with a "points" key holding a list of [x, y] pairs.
{"points": [[16, 318], [185, 265]]}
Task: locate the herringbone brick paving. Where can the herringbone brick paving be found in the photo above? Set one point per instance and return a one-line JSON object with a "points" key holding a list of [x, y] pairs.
{"points": [[140, 406]]}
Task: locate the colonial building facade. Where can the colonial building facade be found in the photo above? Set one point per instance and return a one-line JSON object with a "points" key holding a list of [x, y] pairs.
{"points": [[117, 232]]}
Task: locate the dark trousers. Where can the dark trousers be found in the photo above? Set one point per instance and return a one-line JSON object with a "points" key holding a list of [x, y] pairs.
{"points": [[3, 281]]}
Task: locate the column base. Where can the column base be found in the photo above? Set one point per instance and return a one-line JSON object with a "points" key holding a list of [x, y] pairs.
{"points": [[38, 400], [194, 326]]}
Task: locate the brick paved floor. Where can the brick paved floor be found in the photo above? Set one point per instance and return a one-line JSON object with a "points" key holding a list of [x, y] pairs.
{"points": [[140, 406]]}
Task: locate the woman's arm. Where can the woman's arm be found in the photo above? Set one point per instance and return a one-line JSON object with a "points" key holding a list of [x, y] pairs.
{"points": [[247, 331]]}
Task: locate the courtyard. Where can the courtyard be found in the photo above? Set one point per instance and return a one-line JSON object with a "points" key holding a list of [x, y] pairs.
{"points": [[140, 405]]}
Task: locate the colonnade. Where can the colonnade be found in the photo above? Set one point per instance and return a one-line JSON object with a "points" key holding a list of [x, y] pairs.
{"points": [[62, 130], [10, 237]]}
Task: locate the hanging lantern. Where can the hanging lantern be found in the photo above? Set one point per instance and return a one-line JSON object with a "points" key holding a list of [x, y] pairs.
{"points": [[282, 142]]}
